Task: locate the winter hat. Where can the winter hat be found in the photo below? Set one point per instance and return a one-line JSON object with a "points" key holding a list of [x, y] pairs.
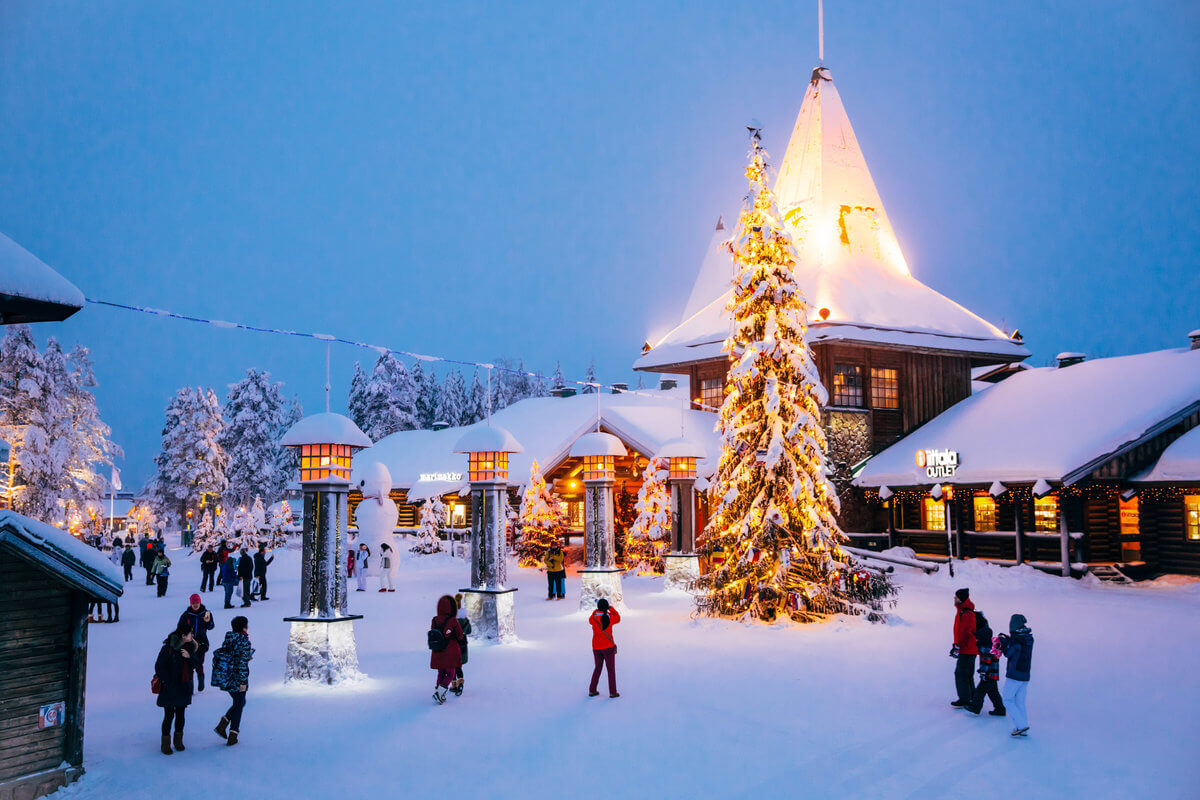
{"points": [[963, 594], [602, 604], [194, 598], [1017, 621]]}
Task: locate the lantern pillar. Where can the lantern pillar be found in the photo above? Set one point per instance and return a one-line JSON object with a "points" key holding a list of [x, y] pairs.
{"points": [[682, 563], [600, 576], [490, 604]]}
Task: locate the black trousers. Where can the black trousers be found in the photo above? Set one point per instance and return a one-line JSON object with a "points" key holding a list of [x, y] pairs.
{"points": [[172, 713], [964, 678], [162, 585], [208, 580], [149, 577], [246, 590], [128, 572], [990, 689], [262, 587], [234, 714]]}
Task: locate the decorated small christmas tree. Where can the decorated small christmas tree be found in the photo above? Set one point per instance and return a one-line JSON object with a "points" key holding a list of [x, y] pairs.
{"points": [[281, 521], [541, 518], [433, 514], [205, 534], [774, 529], [651, 531], [224, 526], [624, 513]]}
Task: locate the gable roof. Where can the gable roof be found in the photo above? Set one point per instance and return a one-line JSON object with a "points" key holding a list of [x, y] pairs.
{"points": [[1048, 423], [849, 264], [78, 565]]}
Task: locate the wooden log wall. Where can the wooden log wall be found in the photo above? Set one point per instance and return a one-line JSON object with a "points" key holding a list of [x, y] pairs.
{"points": [[1163, 525]]}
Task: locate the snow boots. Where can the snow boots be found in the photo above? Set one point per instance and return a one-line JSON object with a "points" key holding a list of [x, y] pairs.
{"points": [[222, 728], [1020, 732], [166, 746], [457, 687], [439, 695], [178, 742], [232, 740]]}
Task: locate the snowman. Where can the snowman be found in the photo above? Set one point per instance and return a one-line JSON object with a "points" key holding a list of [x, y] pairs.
{"points": [[376, 517]]}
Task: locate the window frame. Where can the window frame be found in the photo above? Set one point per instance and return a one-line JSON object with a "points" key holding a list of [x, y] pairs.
{"points": [[1191, 518], [846, 392], [1038, 519], [928, 503], [993, 509], [885, 388], [712, 396]]}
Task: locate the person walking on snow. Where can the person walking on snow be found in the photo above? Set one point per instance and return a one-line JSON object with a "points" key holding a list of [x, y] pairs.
{"points": [[234, 655], [229, 578], [556, 572], [465, 624], [604, 647], [989, 670], [173, 668], [261, 562], [208, 569], [362, 558], [200, 622], [1017, 647], [128, 559], [147, 558], [387, 568], [965, 649], [245, 572], [446, 659], [162, 571]]}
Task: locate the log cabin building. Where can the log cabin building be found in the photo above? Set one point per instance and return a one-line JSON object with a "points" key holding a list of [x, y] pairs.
{"points": [[1087, 466], [892, 352]]}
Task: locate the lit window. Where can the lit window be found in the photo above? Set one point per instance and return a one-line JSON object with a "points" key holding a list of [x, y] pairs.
{"points": [[487, 466], [1045, 514], [934, 514], [1191, 517], [885, 388], [985, 512], [574, 509], [1129, 518], [458, 515], [847, 385], [712, 392], [597, 467], [322, 461]]}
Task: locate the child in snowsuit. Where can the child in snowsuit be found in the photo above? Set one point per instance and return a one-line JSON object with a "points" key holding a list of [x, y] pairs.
{"points": [[128, 559], [447, 660], [173, 668], [229, 578], [989, 671], [604, 648], [964, 649], [1017, 647], [387, 568], [162, 571]]}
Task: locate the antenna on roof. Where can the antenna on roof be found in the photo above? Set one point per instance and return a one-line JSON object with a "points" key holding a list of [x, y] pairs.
{"points": [[821, 32]]}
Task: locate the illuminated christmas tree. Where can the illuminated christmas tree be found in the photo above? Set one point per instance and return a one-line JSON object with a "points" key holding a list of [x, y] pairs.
{"points": [[281, 522], [624, 513], [433, 515], [541, 518], [205, 534], [650, 533], [773, 539]]}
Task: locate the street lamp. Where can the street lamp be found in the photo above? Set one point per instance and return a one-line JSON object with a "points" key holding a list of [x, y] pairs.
{"points": [[600, 576], [682, 563]]}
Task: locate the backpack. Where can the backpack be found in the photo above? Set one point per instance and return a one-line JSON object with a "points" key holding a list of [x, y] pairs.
{"points": [[220, 668], [436, 640]]}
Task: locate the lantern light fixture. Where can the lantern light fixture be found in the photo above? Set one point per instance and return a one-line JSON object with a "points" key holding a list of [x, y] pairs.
{"points": [[326, 441], [487, 448], [681, 456], [598, 451]]}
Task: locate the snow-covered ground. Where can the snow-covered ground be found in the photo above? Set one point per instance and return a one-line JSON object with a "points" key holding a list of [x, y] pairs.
{"points": [[707, 709]]}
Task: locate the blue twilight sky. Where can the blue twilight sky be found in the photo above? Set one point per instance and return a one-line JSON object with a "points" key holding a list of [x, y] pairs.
{"points": [[540, 180]]}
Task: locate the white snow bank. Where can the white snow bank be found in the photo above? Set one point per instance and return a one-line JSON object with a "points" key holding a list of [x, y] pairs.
{"points": [[1179, 462]]}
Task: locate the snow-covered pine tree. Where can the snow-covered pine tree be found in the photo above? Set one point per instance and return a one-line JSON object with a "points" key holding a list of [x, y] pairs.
{"points": [[541, 519], [47, 442], [356, 401], [521, 384], [427, 391], [539, 386], [281, 520], [258, 515], [252, 416], [433, 516], [225, 528], [650, 534], [91, 449], [775, 511], [589, 377], [452, 401], [558, 382], [391, 399], [476, 401], [21, 379], [205, 534], [191, 462], [287, 459], [502, 385]]}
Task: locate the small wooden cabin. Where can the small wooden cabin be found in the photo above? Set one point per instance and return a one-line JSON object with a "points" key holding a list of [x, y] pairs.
{"points": [[47, 579]]}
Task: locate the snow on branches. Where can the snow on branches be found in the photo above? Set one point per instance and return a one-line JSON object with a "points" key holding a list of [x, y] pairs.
{"points": [[541, 519], [433, 515], [773, 539], [650, 534]]}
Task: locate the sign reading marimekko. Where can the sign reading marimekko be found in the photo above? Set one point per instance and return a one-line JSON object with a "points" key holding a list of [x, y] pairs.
{"points": [[52, 715], [938, 463], [441, 476]]}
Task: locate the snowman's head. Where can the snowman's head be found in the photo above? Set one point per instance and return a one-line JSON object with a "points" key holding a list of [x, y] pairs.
{"points": [[376, 482]]}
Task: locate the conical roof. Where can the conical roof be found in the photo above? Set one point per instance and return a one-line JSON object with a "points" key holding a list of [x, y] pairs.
{"points": [[716, 271], [850, 265]]}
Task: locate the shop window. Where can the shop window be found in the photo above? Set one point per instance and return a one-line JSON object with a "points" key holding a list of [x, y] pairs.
{"points": [[712, 392], [1045, 514], [933, 515], [848, 385], [457, 515], [985, 512], [885, 387], [1129, 516], [1191, 517]]}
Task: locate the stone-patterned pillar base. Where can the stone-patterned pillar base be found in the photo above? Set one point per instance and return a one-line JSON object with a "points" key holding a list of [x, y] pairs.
{"points": [[492, 614], [322, 651], [597, 583], [682, 569]]}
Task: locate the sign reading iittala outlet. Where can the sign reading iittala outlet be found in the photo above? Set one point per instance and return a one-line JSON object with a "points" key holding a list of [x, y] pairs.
{"points": [[938, 463]]}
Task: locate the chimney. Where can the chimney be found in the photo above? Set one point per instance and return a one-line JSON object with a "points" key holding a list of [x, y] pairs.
{"points": [[1069, 359], [667, 384], [617, 388], [1194, 336], [441, 425]]}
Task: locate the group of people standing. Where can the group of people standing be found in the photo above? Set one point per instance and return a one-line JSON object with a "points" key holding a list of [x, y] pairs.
{"points": [[359, 566], [179, 670], [973, 638], [236, 566]]}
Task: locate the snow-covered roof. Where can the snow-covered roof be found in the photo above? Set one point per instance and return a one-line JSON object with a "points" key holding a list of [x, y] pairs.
{"points": [[1057, 424], [849, 264], [681, 448], [30, 291], [325, 428], [80, 565], [487, 439], [1180, 462], [598, 444], [547, 427]]}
